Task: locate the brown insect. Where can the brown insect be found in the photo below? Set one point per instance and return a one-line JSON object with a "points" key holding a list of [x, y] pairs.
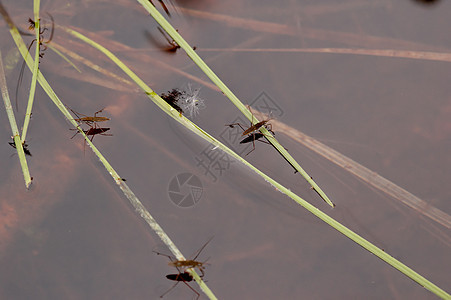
{"points": [[173, 46], [94, 129], [170, 47], [42, 29], [182, 266], [42, 44], [90, 121], [252, 131], [163, 6], [190, 263]]}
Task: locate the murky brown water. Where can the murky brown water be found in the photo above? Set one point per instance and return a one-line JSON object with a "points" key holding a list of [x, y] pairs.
{"points": [[74, 234]]}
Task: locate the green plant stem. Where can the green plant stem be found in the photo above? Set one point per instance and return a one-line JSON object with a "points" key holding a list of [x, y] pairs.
{"points": [[13, 124], [134, 201], [204, 67], [37, 29], [318, 213]]}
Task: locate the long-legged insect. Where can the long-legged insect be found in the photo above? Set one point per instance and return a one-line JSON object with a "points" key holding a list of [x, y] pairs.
{"points": [[252, 131], [190, 263], [41, 42], [162, 5], [184, 277], [173, 46], [94, 129], [183, 265], [90, 121], [170, 47]]}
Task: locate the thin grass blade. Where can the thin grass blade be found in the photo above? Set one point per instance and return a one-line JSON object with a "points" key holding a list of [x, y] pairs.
{"points": [[204, 67], [37, 28], [318, 213], [13, 124], [134, 201]]}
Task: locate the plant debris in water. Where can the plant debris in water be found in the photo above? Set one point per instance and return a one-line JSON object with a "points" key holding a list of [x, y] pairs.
{"points": [[172, 98], [25, 147], [184, 101], [191, 103]]}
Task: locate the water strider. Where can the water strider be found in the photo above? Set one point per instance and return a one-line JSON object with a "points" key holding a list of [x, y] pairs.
{"points": [[190, 263], [165, 8], [182, 266], [252, 131], [90, 121], [170, 47]]}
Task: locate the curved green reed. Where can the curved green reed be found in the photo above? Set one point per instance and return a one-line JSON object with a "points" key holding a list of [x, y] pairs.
{"points": [[134, 201], [203, 134], [194, 128], [213, 77], [13, 124], [31, 95]]}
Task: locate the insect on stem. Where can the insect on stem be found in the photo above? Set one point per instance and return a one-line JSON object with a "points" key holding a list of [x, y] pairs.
{"points": [[90, 121], [41, 43], [252, 132], [182, 266]]}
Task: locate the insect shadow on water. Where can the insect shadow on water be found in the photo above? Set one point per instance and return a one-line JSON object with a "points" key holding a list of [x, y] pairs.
{"points": [[94, 131], [184, 277], [182, 266], [41, 43], [252, 132], [255, 135]]}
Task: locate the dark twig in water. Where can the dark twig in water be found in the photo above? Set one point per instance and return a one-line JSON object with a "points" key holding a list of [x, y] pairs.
{"points": [[24, 145], [170, 46], [172, 98], [165, 8]]}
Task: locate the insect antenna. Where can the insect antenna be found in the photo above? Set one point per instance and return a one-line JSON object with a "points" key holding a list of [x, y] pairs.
{"points": [[202, 248], [22, 69]]}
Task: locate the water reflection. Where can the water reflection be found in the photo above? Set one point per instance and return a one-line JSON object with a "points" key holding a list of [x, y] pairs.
{"points": [[86, 242], [426, 2]]}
